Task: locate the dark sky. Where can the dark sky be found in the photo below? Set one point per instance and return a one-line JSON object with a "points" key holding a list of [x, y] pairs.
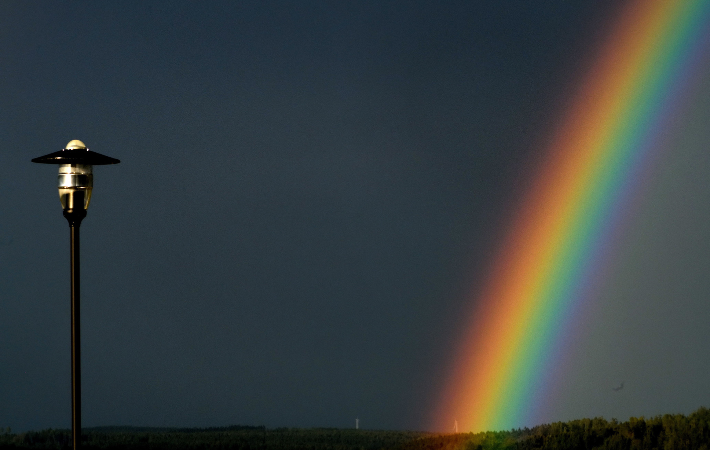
{"points": [[307, 193]]}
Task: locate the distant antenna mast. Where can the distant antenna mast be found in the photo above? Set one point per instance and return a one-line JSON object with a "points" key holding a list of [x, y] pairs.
{"points": [[456, 426], [357, 424]]}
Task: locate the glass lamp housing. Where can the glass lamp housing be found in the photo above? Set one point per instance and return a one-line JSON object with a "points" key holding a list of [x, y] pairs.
{"points": [[75, 184]]}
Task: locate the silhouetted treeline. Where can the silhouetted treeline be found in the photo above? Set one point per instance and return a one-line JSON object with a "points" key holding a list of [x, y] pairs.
{"points": [[232, 438], [667, 432]]}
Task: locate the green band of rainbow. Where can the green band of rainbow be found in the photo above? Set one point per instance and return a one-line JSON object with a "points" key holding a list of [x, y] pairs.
{"points": [[536, 279]]}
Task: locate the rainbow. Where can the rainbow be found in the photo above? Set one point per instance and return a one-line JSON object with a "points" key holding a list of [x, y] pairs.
{"points": [[558, 236]]}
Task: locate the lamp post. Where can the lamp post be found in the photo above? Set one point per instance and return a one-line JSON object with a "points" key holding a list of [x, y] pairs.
{"points": [[76, 180]]}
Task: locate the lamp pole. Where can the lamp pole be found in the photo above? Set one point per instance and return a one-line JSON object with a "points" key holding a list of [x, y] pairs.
{"points": [[76, 181]]}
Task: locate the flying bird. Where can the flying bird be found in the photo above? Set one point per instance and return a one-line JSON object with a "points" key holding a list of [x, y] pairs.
{"points": [[620, 387]]}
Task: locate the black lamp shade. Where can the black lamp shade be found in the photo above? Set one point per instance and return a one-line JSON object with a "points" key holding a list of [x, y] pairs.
{"points": [[76, 156]]}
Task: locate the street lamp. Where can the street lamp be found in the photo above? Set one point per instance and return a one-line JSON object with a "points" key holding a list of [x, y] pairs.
{"points": [[76, 180]]}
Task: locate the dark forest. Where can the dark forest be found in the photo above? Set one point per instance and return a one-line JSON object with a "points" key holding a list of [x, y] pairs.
{"points": [[667, 432]]}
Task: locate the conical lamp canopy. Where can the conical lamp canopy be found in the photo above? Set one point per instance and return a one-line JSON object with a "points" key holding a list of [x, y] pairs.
{"points": [[76, 153]]}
